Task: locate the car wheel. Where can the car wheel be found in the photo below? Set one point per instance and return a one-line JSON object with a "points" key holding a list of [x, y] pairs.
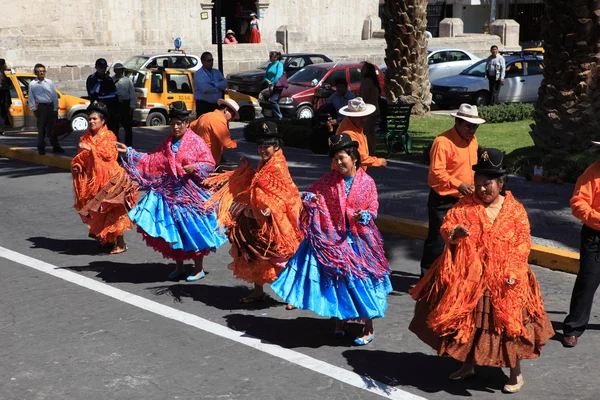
{"points": [[247, 113], [156, 118], [304, 112], [79, 122], [481, 99]]}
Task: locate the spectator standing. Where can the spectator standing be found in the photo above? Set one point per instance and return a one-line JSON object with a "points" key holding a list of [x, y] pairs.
{"points": [[213, 128], [209, 84], [43, 101], [101, 87], [371, 92], [127, 101], [585, 205], [230, 37], [254, 29], [340, 98], [5, 99], [273, 75], [451, 176], [495, 71]]}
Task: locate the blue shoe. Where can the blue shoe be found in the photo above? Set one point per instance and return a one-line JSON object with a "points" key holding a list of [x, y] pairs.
{"points": [[176, 274], [362, 342], [197, 277], [340, 334]]}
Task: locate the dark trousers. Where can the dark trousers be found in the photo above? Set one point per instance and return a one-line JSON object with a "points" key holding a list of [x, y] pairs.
{"points": [[274, 101], [46, 116], [586, 284], [494, 89], [203, 107], [437, 208], [126, 120], [113, 121]]}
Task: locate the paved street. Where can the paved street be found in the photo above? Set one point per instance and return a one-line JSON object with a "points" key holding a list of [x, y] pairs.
{"points": [[78, 324]]}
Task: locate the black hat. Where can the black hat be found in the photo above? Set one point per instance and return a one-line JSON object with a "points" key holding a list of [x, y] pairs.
{"points": [[340, 142], [178, 110], [489, 161], [268, 129], [101, 63], [98, 107]]}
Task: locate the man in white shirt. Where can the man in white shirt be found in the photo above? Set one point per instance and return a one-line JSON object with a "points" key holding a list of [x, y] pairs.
{"points": [[127, 101], [43, 101], [495, 70], [209, 84]]}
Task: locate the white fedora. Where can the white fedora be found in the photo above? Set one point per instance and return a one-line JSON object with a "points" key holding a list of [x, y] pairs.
{"points": [[232, 105], [469, 114], [595, 143], [357, 108]]}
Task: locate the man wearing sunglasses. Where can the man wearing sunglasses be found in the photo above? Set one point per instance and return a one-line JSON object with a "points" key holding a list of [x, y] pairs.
{"points": [[451, 176], [209, 84], [43, 101]]}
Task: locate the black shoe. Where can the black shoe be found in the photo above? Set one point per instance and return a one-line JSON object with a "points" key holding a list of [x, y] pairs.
{"points": [[42, 151], [58, 149]]}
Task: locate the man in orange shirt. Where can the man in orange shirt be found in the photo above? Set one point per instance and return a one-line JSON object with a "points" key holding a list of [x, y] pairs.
{"points": [[213, 127], [356, 113], [452, 157], [585, 205]]}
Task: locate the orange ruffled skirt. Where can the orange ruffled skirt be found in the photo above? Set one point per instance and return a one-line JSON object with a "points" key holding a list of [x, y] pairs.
{"points": [[485, 347], [253, 259], [106, 213]]}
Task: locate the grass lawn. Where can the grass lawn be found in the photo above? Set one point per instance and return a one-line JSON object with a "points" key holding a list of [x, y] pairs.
{"points": [[508, 136]]}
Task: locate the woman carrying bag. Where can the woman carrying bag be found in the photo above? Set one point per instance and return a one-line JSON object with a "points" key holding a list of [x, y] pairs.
{"points": [[276, 81]]}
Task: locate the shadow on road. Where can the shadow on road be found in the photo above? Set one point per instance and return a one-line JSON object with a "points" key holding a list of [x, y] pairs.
{"points": [[114, 272], [428, 373], [72, 247]]}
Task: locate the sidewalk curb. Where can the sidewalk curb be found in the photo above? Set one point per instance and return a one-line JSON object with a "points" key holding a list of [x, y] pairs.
{"points": [[556, 259]]}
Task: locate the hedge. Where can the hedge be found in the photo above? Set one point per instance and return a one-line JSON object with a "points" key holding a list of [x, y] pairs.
{"points": [[506, 112]]}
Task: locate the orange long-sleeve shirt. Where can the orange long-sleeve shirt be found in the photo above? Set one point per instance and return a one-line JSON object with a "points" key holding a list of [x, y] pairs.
{"points": [[356, 133], [585, 203], [452, 160], [212, 128]]}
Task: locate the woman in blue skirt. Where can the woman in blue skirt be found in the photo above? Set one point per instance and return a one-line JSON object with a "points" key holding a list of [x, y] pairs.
{"points": [[340, 269]]}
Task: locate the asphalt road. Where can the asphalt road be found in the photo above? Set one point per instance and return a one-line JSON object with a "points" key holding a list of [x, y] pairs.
{"points": [[62, 335]]}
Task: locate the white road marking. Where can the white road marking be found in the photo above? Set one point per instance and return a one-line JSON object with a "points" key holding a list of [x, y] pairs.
{"points": [[294, 357]]}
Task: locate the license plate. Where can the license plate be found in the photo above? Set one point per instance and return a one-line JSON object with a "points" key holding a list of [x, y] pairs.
{"points": [[267, 112]]}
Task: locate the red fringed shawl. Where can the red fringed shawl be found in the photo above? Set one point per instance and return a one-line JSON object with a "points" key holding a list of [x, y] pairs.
{"points": [[326, 224], [492, 254]]}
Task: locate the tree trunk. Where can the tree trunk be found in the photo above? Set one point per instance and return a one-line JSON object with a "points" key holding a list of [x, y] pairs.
{"points": [[407, 76], [566, 113]]}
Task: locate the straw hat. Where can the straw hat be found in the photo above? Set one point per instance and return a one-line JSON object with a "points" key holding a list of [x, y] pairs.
{"points": [[230, 31], [468, 113], [232, 105], [357, 108]]}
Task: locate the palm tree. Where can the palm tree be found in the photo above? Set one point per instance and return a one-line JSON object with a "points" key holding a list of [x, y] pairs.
{"points": [[407, 76], [569, 97]]}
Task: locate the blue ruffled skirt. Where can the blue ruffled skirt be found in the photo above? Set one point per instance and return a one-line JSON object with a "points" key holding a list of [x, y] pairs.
{"points": [[182, 229], [303, 284]]}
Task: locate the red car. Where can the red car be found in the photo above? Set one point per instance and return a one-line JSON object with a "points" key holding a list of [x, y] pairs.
{"points": [[310, 86]]}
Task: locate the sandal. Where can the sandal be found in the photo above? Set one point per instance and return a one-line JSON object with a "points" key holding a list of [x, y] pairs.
{"points": [[252, 299], [118, 250]]}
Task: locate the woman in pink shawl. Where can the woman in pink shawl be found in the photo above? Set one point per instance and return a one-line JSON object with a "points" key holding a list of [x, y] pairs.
{"points": [[172, 217], [340, 269]]}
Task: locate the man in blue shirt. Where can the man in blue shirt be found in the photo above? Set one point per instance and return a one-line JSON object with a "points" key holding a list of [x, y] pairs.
{"points": [[101, 87], [43, 101], [209, 84], [340, 98]]}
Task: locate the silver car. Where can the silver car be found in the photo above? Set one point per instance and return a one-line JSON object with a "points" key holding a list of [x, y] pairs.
{"points": [[448, 62]]}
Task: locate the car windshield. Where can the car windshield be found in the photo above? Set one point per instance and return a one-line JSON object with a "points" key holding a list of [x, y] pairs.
{"points": [[477, 69], [138, 78], [308, 76], [136, 62]]}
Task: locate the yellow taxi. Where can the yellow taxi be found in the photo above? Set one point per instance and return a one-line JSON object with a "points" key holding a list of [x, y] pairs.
{"points": [[157, 88], [69, 107]]}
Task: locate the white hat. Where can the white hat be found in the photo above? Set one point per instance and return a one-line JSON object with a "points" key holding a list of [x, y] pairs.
{"points": [[253, 14], [469, 114], [357, 108], [230, 31], [596, 143], [233, 106]]}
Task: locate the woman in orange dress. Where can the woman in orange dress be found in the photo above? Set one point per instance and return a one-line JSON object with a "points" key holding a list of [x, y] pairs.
{"points": [[254, 34], [260, 211], [103, 191], [480, 302]]}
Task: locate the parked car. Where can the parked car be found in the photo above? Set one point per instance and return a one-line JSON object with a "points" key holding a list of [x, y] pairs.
{"points": [[311, 85], [171, 59], [20, 115], [524, 74], [446, 62], [252, 81], [156, 89]]}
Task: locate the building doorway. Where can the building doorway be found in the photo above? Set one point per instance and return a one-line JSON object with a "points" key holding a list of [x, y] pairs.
{"points": [[235, 15]]}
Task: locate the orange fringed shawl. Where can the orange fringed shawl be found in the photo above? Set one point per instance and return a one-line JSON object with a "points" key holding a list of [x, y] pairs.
{"points": [[492, 254], [271, 186], [96, 168]]}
